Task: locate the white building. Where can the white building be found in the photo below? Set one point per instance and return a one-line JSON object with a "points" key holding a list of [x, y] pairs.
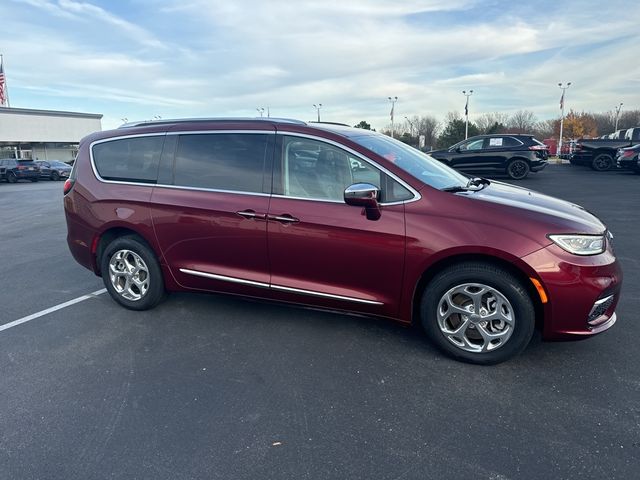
{"points": [[44, 134]]}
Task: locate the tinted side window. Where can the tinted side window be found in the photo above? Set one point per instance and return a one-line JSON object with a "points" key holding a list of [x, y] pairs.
{"points": [[511, 142], [129, 159], [221, 161]]}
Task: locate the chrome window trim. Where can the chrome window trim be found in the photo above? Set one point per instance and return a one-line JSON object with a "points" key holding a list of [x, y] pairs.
{"points": [[413, 191], [281, 288]]}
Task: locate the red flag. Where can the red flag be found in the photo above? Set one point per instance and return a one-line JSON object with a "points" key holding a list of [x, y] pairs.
{"points": [[3, 96]]}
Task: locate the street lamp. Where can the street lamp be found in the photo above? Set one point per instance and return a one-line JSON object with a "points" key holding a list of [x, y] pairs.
{"points": [[564, 89], [393, 107], [618, 108], [261, 111], [466, 113], [318, 107]]}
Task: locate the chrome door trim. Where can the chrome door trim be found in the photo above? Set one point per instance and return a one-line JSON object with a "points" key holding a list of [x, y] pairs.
{"points": [[224, 278], [281, 288], [325, 295]]}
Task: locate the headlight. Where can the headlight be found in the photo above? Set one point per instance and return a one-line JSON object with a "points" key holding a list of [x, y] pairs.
{"points": [[580, 244]]}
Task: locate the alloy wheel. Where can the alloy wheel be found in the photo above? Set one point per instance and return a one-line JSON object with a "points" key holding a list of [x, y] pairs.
{"points": [[129, 274], [475, 317]]}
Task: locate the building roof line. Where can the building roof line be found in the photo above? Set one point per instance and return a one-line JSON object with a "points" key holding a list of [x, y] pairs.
{"points": [[50, 113]]}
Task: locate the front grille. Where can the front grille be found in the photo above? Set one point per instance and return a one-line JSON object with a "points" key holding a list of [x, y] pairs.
{"points": [[599, 308]]}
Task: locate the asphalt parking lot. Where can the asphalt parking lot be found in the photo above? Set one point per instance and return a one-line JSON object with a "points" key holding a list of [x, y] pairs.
{"points": [[207, 386]]}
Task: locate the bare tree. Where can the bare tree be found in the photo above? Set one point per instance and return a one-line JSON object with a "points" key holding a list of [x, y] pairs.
{"points": [[495, 122], [629, 119], [429, 126], [522, 121], [546, 128]]}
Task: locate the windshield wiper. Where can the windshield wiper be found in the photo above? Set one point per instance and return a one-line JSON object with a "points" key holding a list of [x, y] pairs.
{"points": [[473, 185], [478, 181]]}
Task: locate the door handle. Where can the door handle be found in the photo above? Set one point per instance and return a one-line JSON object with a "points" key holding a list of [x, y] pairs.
{"points": [[252, 214], [284, 218]]}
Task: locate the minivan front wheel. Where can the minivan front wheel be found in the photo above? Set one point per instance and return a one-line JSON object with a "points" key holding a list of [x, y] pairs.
{"points": [[132, 274], [518, 169], [478, 313]]}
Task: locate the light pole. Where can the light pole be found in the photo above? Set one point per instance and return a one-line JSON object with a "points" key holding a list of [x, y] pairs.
{"points": [[618, 108], [393, 107], [318, 107], [564, 89], [466, 113], [261, 111]]}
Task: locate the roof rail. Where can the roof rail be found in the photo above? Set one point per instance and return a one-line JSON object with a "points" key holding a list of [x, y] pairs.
{"points": [[212, 119], [332, 123]]}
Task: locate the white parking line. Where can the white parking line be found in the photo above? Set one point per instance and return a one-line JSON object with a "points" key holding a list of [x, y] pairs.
{"points": [[60, 306]]}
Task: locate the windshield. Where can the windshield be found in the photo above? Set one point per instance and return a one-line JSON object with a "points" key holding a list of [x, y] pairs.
{"points": [[417, 164]]}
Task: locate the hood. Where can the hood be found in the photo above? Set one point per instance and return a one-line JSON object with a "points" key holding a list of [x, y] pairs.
{"points": [[559, 216], [438, 152]]}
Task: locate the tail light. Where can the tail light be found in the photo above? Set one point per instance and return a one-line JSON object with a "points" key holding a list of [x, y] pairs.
{"points": [[21, 167], [628, 153], [68, 185], [538, 147]]}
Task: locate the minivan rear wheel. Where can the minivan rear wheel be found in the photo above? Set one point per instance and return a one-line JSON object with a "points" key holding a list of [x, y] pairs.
{"points": [[131, 273], [518, 169], [478, 313]]}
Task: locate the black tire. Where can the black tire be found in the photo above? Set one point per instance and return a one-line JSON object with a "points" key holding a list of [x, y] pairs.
{"points": [[520, 306], [55, 176], [518, 168], [11, 177], [602, 162], [155, 292]]}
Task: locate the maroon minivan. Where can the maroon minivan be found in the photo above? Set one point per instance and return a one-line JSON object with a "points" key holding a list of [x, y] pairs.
{"points": [[341, 218]]}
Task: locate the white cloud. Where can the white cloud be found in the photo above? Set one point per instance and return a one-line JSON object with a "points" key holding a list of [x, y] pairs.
{"points": [[214, 57]]}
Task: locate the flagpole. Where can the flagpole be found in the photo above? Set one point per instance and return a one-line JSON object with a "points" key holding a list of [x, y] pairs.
{"points": [[559, 152], [466, 113], [6, 87]]}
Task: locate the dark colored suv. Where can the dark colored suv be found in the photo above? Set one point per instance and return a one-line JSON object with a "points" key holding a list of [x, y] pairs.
{"points": [[336, 217], [15, 170], [54, 169], [515, 155]]}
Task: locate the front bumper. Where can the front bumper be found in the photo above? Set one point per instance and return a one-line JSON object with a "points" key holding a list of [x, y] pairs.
{"points": [[578, 289], [629, 163]]}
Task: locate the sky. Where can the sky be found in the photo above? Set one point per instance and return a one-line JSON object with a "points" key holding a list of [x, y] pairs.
{"points": [[139, 59]]}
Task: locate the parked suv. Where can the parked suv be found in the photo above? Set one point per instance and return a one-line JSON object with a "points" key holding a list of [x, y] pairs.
{"points": [[54, 169], [15, 170], [336, 217], [515, 155]]}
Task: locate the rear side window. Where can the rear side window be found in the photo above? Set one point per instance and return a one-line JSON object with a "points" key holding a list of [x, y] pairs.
{"points": [[511, 142], [133, 159], [221, 161]]}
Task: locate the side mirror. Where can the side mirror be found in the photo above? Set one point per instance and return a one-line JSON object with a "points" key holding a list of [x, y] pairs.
{"points": [[364, 195]]}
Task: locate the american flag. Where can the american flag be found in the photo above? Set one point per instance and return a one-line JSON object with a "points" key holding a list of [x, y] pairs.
{"points": [[466, 108], [3, 97], [562, 101], [393, 105]]}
